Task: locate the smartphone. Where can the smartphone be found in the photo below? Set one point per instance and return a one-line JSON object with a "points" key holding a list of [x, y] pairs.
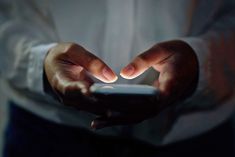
{"points": [[122, 93]]}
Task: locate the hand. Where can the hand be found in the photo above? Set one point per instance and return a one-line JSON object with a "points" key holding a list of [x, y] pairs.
{"points": [[178, 67], [67, 66]]}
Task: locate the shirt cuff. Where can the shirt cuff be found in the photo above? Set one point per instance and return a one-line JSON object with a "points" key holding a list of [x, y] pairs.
{"points": [[36, 66]]}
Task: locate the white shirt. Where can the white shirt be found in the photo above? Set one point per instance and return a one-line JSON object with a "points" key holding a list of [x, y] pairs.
{"points": [[116, 31]]}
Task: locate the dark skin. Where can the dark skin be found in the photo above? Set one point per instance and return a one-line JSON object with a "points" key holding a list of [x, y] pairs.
{"points": [[67, 65]]}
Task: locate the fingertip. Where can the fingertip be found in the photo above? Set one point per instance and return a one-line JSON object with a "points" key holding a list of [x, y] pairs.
{"points": [[128, 72], [109, 75], [126, 77], [113, 80]]}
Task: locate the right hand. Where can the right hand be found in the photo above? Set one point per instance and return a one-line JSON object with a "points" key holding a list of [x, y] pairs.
{"points": [[67, 66]]}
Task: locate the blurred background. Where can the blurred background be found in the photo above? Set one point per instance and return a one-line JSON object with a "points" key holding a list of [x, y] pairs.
{"points": [[3, 115]]}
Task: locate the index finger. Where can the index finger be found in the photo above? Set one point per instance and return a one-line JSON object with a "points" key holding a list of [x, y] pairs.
{"points": [[144, 61], [92, 64]]}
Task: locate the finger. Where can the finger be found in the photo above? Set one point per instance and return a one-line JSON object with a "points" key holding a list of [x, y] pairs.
{"points": [[171, 84], [76, 94], [92, 64], [166, 82], [74, 73], [85, 77], [64, 85], [143, 61]]}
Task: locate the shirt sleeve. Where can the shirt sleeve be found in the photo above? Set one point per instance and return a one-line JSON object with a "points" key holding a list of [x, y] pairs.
{"points": [[26, 35], [215, 50], [213, 101]]}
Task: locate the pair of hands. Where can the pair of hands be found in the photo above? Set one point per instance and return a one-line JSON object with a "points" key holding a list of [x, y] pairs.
{"points": [[68, 68]]}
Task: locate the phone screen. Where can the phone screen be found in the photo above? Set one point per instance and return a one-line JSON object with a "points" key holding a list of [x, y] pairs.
{"points": [[122, 89]]}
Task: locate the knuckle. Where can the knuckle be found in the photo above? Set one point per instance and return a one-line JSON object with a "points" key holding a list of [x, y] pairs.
{"points": [[157, 47], [55, 82], [60, 84], [142, 60], [62, 50], [70, 47], [94, 65], [142, 57]]}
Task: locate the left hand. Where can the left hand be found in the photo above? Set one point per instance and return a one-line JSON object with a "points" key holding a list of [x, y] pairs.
{"points": [[178, 67]]}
